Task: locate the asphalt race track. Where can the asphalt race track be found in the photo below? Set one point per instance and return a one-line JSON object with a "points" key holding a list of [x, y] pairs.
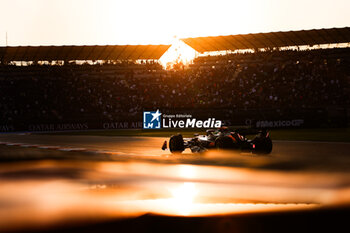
{"points": [[74, 179], [328, 156]]}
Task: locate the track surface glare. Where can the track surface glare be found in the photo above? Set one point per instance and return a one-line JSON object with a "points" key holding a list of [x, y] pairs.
{"points": [[72, 178], [286, 155]]}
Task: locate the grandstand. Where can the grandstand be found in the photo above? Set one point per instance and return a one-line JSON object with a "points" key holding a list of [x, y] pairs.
{"points": [[270, 40], [82, 53], [46, 86]]}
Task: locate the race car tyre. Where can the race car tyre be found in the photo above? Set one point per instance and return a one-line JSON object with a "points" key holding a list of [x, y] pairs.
{"points": [[263, 145], [224, 142], [176, 144]]}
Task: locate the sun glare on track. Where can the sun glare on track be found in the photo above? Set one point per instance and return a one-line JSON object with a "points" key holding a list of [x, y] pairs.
{"points": [[183, 198], [187, 171]]}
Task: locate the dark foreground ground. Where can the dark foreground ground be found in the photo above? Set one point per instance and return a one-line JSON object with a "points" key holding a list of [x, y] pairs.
{"points": [[65, 183]]}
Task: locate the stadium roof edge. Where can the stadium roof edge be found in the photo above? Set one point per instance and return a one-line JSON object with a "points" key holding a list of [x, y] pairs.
{"points": [[82, 52], [269, 39]]}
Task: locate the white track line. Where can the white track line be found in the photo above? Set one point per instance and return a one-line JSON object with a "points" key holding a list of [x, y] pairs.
{"points": [[13, 144], [68, 149], [29, 145], [93, 151], [322, 142], [48, 147]]}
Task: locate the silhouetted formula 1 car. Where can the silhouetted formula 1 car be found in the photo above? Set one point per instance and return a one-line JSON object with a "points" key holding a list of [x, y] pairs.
{"points": [[221, 139]]}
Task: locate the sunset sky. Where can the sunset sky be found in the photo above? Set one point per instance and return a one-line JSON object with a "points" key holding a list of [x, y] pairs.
{"points": [[90, 22]]}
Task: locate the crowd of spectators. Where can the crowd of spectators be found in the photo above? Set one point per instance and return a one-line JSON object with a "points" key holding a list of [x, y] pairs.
{"points": [[263, 80]]}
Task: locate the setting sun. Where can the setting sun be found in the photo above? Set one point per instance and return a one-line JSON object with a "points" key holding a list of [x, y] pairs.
{"points": [[178, 52]]}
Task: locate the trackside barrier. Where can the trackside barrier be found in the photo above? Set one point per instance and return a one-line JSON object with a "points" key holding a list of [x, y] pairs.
{"points": [[253, 118]]}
